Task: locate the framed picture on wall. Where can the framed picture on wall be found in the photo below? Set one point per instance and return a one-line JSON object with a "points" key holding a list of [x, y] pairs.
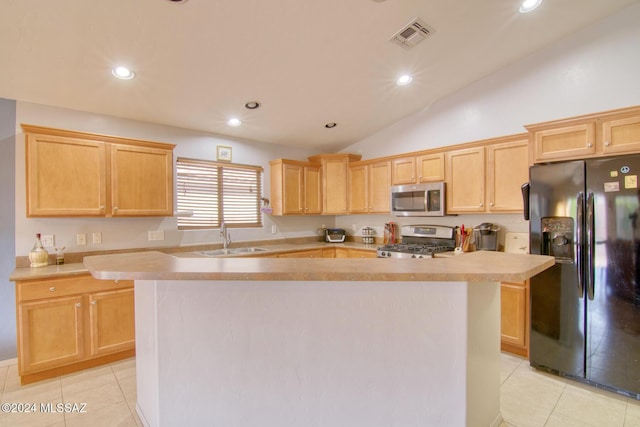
{"points": [[224, 153]]}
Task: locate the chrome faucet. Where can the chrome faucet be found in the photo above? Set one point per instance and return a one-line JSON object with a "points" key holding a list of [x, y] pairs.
{"points": [[226, 236]]}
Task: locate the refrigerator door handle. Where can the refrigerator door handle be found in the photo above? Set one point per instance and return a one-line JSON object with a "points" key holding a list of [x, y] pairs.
{"points": [[590, 271], [579, 243]]}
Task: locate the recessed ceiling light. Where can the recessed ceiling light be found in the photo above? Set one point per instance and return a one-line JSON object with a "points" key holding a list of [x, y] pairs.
{"points": [[234, 122], [331, 125], [529, 5], [123, 73], [404, 80], [252, 105]]}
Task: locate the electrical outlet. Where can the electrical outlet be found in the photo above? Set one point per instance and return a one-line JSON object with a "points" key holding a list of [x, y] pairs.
{"points": [[354, 227], [274, 229], [97, 238], [48, 240], [81, 239], [156, 235]]}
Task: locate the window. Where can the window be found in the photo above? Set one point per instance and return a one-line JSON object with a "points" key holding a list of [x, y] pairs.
{"points": [[217, 192]]}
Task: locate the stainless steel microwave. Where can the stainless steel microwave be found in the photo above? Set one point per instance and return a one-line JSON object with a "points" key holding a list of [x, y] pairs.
{"points": [[418, 199]]}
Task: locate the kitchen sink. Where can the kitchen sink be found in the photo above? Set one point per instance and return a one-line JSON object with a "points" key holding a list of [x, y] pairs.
{"points": [[219, 252], [247, 250]]}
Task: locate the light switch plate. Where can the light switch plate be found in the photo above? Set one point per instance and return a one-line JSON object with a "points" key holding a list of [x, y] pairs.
{"points": [[97, 238], [81, 239], [48, 240]]}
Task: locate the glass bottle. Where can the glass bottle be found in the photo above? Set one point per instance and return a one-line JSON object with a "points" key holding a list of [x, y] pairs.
{"points": [[38, 256]]}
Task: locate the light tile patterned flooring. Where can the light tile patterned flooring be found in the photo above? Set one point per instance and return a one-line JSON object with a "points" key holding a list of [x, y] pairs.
{"points": [[529, 398]]}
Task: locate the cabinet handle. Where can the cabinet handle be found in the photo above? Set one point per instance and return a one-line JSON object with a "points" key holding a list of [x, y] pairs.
{"points": [[102, 208], [52, 289], [607, 143], [491, 204], [116, 281], [589, 145], [481, 204], [94, 302], [115, 209], [78, 305]]}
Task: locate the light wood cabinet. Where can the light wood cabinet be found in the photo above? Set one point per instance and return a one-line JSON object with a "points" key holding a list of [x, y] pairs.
{"points": [[488, 178], [430, 167], [403, 170], [362, 253], [514, 318], [335, 184], [594, 135], [310, 253], [621, 135], [417, 169], [141, 181], [507, 170], [295, 188], [564, 142], [70, 323], [465, 187], [112, 323], [369, 185], [81, 174]]}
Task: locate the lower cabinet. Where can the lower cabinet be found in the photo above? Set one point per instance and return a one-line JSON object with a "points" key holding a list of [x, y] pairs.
{"points": [[514, 318], [311, 253], [71, 323]]}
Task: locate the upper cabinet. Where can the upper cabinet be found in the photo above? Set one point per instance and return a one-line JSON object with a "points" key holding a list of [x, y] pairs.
{"points": [[465, 180], [488, 178], [295, 188], [507, 170], [335, 185], [418, 168], [601, 134], [81, 174], [369, 185]]}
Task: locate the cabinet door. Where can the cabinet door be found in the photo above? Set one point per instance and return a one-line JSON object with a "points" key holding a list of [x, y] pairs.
{"points": [[358, 189], [111, 320], [513, 318], [621, 135], [292, 189], [312, 190], [141, 181], [359, 253], [430, 167], [335, 186], [379, 186], [65, 176], [564, 142], [313, 253], [403, 171], [50, 333], [507, 170], [465, 180]]}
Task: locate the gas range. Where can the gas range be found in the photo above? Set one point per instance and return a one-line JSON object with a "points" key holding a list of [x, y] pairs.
{"points": [[420, 241]]}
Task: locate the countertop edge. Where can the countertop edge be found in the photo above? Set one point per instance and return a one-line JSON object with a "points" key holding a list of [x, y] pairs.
{"points": [[471, 267]]}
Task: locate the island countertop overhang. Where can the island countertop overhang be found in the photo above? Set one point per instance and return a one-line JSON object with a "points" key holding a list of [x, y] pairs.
{"points": [[481, 266]]}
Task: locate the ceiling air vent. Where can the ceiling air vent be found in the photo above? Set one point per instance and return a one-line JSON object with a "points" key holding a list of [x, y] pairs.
{"points": [[412, 33]]}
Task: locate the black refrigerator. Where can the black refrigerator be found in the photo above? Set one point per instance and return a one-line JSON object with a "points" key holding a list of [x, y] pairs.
{"points": [[585, 310]]}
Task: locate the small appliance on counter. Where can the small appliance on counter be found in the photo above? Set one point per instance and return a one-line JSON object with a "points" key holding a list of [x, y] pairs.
{"points": [[368, 234], [334, 235], [486, 236]]}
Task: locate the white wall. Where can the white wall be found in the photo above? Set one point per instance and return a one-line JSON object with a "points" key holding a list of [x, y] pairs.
{"points": [[596, 69], [120, 233]]}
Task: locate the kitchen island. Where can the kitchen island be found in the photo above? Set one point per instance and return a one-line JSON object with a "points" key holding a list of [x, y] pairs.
{"points": [[318, 342]]}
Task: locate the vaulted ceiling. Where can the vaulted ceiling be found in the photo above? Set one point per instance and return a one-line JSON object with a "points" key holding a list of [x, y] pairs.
{"points": [[308, 63]]}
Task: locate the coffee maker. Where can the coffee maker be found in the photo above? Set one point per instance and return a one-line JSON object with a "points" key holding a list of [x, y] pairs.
{"points": [[486, 236]]}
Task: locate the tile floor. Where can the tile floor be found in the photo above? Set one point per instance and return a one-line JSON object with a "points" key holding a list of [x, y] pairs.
{"points": [[528, 399]]}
